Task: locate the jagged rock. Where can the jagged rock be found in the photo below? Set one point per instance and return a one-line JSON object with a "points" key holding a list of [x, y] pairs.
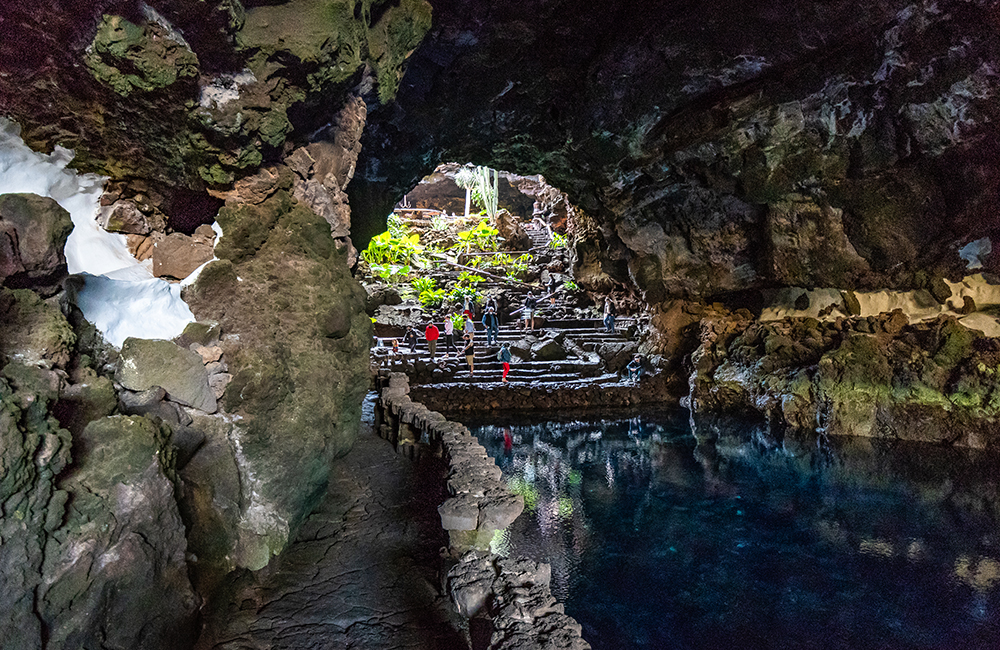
{"points": [[122, 545], [851, 304], [32, 330], [178, 255], [202, 333], [470, 582], [257, 188], [152, 402], [218, 382], [548, 350], [92, 397], [208, 354], [33, 451], [514, 235], [186, 441], [146, 363], [939, 289], [33, 233], [125, 217], [968, 305]]}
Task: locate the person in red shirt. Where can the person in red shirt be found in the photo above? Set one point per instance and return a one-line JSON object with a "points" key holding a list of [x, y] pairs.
{"points": [[431, 333]]}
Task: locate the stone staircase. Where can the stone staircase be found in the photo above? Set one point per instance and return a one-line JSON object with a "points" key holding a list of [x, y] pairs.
{"points": [[581, 340]]}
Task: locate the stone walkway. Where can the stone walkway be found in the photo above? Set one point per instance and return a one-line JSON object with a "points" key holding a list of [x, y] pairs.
{"points": [[363, 573]]}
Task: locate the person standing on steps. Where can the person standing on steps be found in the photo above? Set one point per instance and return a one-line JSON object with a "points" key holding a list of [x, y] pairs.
{"points": [[504, 357], [449, 336], [492, 325], [410, 338], [609, 315], [470, 353], [550, 287], [469, 327], [468, 306], [431, 333], [529, 311]]}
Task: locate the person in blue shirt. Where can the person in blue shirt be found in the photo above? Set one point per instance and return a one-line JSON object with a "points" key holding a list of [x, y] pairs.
{"points": [[492, 325], [634, 369]]}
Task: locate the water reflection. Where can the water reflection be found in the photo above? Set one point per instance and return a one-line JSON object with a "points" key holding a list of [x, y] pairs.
{"points": [[667, 533]]}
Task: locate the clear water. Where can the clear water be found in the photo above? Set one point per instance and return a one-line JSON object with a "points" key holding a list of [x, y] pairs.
{"points": [[668, 533]]}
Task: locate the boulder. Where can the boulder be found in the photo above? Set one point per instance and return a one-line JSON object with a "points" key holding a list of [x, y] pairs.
{"points": [[202, 333], [548, 350], [124, 216], [33, 233], [152, 403], [145, 363], [91, 398], [178, 255]]}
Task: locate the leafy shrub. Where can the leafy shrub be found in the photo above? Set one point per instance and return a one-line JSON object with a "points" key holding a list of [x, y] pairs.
{"points": [[557, 241], [432, 297]]}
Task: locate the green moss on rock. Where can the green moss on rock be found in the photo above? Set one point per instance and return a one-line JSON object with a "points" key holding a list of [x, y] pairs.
{"points": [[129, 57], [32, 330]]}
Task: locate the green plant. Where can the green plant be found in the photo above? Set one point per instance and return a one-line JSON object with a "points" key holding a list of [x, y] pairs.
{"points": [[459, 294], [432, 297], [423, 284], [557, 241], [469, 279], [387, 248], [569, 285], [391, 273], [438, 222], [458, 320]]}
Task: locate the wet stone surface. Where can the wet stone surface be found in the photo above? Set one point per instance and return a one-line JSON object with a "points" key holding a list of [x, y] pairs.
{"points": [[364, 571]]}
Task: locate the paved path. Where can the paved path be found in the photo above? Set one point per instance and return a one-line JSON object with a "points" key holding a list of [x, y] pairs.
{"points": [[363, 573]]}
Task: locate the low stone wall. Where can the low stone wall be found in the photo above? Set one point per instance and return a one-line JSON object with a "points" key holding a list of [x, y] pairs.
{"points": [[512, 593], [467, 398]]}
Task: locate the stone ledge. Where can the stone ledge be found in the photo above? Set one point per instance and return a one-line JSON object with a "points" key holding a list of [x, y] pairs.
{"points": [[513, 592]]}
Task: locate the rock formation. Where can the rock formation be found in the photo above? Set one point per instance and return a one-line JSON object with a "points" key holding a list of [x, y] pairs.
{"points": [[712, 159]]}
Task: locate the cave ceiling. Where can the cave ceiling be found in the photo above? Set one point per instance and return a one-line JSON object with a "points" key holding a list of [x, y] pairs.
{"points": [[714, 148]]}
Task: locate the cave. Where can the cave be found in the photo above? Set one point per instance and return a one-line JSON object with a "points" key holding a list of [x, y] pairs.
{"points": [[765, 258]]}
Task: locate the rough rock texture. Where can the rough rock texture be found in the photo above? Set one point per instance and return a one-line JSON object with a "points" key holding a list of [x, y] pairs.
{"points": [[33, 331], [146, 363], [177, 255], [80, 552], [876, 377], [355, 577], [186, 93], [33, 232], [709, 144], [296, 343]]}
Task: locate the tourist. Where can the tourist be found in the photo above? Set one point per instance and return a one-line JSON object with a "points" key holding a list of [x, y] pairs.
{"points": [[529, 311], [492, 325], [504, 357], [470, 353], [395, 347], [449, 336], [550, 286], [609, 315], [410, 338], [634, 369], [431, 334], [469, 327], [467, 306]]}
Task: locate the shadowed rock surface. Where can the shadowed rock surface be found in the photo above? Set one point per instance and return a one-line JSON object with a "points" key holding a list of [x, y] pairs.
{"points": [[363, 572]]}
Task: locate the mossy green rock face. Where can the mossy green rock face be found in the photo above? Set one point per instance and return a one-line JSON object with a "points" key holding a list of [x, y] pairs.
{"points": [[121, 549], [873, 377], [296, 340], [129, 57], [33, 450], [33, 331], [146, 363]]}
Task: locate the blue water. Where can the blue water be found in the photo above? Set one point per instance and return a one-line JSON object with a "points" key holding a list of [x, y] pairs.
{"points": [[667, 533]]}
